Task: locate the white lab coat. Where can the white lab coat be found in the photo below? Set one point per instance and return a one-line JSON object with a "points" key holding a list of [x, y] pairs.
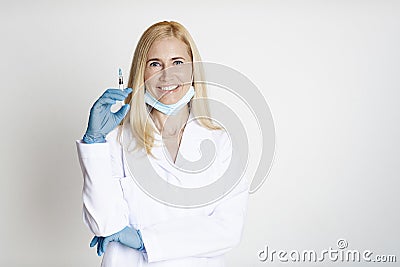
{"points": [[172, 236]]}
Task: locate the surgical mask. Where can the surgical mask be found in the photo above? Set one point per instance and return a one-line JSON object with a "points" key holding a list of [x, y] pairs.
{"points": [[171, 109]]}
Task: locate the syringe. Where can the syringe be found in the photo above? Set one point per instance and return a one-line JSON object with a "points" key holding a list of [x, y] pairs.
{"points": [[120, 84], [120, 80], [119, 104]]}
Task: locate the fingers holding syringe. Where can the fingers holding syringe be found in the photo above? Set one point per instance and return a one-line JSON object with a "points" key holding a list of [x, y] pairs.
{"points": [[110, 96], [117, 94]]}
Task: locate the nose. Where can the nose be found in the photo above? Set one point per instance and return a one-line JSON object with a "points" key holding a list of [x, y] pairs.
{"points": [[167, 74]]}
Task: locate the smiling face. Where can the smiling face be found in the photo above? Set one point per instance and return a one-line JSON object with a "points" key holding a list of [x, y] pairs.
{"points": [[168, 71]]}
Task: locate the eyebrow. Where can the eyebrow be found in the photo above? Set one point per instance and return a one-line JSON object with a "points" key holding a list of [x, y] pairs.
{"points": [[157, 59]]}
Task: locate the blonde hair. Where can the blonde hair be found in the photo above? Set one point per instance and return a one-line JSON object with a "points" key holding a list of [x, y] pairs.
{"points": [[138, 114]]}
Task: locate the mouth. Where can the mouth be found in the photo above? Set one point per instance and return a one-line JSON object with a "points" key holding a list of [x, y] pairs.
{"points": [[169, 89]]}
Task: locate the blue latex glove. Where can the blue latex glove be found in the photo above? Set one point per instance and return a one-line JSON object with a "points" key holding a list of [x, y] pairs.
{"points": [[101, 120], [127, 236]]}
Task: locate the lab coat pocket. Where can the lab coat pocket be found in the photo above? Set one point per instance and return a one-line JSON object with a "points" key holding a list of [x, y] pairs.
{"points": [[117, 169]]}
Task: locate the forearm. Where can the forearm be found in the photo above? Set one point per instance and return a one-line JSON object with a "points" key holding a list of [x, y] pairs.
{"points": [[104, 208], [199, 235], [195, 237]]}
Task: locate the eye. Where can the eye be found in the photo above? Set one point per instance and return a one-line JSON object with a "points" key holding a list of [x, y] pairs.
{"points": [[154, 64], [178, 62]]}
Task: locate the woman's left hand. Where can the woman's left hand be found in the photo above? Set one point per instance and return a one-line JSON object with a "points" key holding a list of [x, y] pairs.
{"points": [[127, 236]]}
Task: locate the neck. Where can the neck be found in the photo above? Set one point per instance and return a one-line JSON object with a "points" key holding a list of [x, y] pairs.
{"points": [[170, 125]]}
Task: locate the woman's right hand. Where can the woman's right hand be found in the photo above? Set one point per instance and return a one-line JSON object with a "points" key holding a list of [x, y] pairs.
{"points": [[101, 120]]}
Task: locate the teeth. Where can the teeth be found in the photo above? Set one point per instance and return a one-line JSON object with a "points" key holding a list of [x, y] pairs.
{"points": [[169, 88]]}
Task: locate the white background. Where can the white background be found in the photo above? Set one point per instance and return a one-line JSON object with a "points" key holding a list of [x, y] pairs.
{"points": [[328, 69]]}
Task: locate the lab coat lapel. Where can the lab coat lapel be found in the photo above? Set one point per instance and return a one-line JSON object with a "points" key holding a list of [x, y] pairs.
{"points": [[189, 149]]}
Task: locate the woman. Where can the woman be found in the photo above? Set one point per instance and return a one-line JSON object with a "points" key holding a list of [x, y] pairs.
{"points": [[132, 228]]}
